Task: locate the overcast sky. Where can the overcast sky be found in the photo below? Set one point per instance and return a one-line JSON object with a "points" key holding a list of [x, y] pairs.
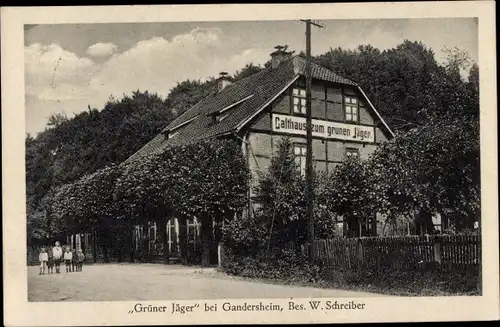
{"points": [[68, 67]]}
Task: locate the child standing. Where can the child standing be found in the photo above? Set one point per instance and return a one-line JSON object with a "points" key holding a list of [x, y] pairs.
{"points": [[43, 258], [81, 258], [74, 259], [50, 263], [67, 259], [57, 253]]}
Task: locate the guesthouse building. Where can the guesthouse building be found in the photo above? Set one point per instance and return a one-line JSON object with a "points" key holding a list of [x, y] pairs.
{"points": [[261, 109]]}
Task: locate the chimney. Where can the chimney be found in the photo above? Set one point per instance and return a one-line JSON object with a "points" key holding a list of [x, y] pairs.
{"points": [[280, 55], [224, 81], [299, 65]]}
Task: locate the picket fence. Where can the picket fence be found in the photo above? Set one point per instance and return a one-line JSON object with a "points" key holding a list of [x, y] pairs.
{"points": [[399, 252]]}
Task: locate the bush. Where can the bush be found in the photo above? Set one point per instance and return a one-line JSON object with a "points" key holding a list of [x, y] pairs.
{"points": [[244, 236], [291, 268], [281, 265]]}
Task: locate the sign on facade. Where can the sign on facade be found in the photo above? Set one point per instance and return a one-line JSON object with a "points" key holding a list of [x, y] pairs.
{"points": [[322, 128]]}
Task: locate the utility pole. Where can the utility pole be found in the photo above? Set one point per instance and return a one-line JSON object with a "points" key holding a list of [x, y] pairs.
{"points": [[309, 164]]}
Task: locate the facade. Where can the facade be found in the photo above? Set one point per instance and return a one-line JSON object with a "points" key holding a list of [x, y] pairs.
{"points": [[269, 105]]}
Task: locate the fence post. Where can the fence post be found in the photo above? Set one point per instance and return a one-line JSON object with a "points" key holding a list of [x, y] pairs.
{"points": [[220, 252], [324, 253], [348, 251], [360, 251], [94, 245], [437, 250]]}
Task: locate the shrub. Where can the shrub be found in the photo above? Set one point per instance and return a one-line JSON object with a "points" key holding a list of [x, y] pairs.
{"points": [[281, 265], [244, 236], [288, 267]]}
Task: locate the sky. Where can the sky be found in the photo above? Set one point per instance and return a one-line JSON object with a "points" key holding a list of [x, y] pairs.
{"points": [[69, 67]]}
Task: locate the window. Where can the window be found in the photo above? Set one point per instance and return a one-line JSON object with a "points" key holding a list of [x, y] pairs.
{"points": [[299, 151], [218, 117], [152, 236], [193, 233], [299, 101], [351, 109], [172, 235], [352, 153]]}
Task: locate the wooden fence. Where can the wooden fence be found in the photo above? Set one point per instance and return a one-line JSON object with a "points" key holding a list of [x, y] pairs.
{"points": [[399, 252]]}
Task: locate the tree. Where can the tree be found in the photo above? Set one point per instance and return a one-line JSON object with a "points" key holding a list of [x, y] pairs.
{"points": [[57, 119], [39, 160], [87, 205], [142, 193], [246, 71], [472, 89], [70, 148], [66, 209], [40, 227], [281, 192], [210, 182], [187, 93], [207, 180], [99, 208], [349, 194], [325, 220], [433, 169], [397, 81]]}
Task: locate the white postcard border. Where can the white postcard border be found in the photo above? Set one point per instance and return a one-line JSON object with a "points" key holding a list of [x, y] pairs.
{"points": [[21, 313]]}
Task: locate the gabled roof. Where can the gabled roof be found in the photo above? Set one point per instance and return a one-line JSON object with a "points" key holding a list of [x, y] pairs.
{"points": [[242, 101]]}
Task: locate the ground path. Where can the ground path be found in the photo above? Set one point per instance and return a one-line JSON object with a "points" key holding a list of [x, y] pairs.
{"points": [[133, 282]]}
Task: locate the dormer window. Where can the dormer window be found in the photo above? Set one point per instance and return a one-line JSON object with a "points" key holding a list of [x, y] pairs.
{"points": [[299, 101], [220, 115], [169, 134]]}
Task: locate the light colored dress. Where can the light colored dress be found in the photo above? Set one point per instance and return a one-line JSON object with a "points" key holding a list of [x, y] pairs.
{"points": [[68, 255], [57, 252], [44, 256]]}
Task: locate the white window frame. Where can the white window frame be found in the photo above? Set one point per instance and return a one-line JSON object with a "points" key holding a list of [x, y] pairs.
{"points": [[170, 225], [172, 135], [152, 238], [300, 153], [350, 151], [221, 117], [193, 232], [223, 113], [299, 102], [351, 108]]}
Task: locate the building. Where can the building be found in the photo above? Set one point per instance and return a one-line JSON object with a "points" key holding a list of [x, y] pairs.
{"points": [[271, 104]]}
